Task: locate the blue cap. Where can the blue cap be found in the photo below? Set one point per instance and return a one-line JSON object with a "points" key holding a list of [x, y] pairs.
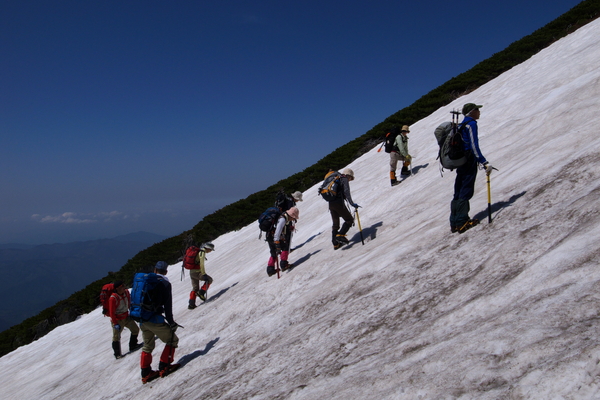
{"points": [[161, 266]]}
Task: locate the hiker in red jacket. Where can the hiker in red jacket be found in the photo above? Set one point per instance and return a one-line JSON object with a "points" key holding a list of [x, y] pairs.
{"points": [[118, 311]]}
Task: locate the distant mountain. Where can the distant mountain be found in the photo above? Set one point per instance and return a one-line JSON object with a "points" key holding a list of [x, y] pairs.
{"points": [[142, 237], [15, 246], [36, 277]]}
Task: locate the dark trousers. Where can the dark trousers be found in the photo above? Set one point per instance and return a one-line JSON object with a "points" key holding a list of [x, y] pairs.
{"points": [[464, 188], [338, 210]]}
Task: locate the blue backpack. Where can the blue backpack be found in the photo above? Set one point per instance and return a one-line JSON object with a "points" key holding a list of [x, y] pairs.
{"points": [[145, 297], [267, 219]]}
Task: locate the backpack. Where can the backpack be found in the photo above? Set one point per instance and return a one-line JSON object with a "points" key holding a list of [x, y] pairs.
{"points": [[451, 145], [390, 140], [283, 202], [189, 260], [268, 218], [330, 189], [145, 297], [105, 293]]}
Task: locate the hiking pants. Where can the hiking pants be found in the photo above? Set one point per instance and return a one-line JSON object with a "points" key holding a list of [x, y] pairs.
{"points": [[195, 277], [125, 323], [464, 188], [338, 210], [394, 158], [164, 333]]}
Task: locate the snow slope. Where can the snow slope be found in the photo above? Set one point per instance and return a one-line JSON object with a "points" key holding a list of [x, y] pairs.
{"points": [[506, 310]]}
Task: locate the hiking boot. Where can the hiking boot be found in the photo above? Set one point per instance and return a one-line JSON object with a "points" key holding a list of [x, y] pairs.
{"points": [[133, 344], [284, 265], [150, 376], [202, 294], [453, 229], [396, 183], [341, 239], [117, 349], [192, 305], [166, 370], [405, 171], [271, 270], [337, 246], [468, 225]]}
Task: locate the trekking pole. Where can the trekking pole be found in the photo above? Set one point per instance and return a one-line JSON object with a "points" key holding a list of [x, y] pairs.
{"points": [[277, 263], [381, 146], [362, 239]]}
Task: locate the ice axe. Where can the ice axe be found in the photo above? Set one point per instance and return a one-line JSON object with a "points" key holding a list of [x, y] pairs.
{"points": [[490, 197], [362, 239]]}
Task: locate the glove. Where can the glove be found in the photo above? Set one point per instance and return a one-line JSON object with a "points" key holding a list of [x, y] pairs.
{"points": [[355, 205], [488, 168], [173, 326], [408, 158], [117, 327]]}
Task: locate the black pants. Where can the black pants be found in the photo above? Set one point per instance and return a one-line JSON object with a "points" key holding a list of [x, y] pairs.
{"points": [[464, 188], [338, 210]]}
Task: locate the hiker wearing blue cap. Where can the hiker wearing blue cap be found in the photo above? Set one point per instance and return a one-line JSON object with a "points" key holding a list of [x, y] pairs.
{"points": [[464, 185]]}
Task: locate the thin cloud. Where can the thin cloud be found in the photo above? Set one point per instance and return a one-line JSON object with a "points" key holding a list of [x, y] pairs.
{"points": [[77, 218]]}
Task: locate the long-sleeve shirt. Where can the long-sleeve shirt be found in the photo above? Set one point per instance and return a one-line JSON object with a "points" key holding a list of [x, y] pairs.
{"points": [[470, 136], [200, 258], [401, 144]]}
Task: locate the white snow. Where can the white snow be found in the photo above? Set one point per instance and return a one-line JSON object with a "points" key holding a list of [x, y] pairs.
{"points": [[506, 310]]}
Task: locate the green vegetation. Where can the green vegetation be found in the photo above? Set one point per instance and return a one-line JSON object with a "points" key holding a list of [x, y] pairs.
{"points": [[246, 211]]}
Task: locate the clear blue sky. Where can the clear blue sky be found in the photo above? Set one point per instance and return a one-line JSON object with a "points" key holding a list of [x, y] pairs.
{"points": [[119, 116]]}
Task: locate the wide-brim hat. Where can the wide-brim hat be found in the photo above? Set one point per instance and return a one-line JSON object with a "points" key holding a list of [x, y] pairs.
{"points": [[293, 213]]}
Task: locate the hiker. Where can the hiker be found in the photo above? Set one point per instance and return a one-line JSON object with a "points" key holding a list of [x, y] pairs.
{"points": [[400, 153], [464, 185], [338, 210], [118, 311], [198, 273], [279, 239], [163, 327]]}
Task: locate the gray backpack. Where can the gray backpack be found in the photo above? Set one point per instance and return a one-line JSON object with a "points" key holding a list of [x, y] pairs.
{"points": [[451, 146]]}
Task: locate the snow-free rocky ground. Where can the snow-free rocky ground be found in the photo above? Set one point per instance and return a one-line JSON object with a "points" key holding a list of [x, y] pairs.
{"points": [[508, 310]]}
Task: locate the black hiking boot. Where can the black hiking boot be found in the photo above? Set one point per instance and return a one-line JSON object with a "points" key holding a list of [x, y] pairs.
{"points": [[149, 375], [191, 304], [133, 344], [202, 294], [405, 171], [284, 265], [271, 270], [341, 239], [117, 349]]}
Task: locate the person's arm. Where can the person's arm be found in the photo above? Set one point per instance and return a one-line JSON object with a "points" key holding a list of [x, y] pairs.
{"points": [[472, 134]]}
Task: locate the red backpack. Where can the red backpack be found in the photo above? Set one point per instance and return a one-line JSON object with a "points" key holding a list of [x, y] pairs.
{"points": [[189, 261], [105, 293]]}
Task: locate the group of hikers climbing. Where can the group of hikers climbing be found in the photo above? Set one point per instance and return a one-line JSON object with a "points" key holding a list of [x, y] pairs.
{"points": [[151, 295]]}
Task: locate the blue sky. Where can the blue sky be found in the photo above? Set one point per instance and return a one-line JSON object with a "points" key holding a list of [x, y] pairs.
{"points": [[121, 116]]}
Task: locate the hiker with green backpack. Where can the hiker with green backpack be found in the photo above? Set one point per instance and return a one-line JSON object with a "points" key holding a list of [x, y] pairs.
{"points": [[464, 185]]}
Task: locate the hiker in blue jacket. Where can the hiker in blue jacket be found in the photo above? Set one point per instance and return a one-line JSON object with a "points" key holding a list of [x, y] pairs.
{"points": [[464, 185], [163, 327]]}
